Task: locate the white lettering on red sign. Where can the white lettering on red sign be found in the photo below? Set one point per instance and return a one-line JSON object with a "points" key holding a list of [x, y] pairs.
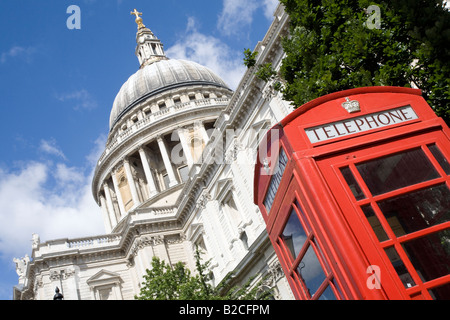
{"points": [[360, 124]]}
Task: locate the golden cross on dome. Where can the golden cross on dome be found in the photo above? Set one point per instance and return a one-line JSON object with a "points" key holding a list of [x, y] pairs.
{"points": [[138, 18]]}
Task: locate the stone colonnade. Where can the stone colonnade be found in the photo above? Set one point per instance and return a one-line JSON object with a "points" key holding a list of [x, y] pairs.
{"points": [[119, 191]]}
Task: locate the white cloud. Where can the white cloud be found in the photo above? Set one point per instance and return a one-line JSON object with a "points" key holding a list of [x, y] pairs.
{"points": [[269, 8], [50, 147], [210, 52], [82, 99], [18, 52], [67, 175], [50, 199], [96, 152], [237, 15]]}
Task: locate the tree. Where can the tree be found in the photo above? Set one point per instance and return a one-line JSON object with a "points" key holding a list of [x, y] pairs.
{"points": [[332, 47], [166, 282]]}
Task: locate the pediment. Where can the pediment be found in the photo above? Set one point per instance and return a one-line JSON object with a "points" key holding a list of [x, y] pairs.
{"points": [[222, 186], [194, 231], [104, 277]]}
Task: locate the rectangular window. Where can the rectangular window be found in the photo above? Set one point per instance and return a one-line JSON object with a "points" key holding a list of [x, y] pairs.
{"points": [[327, 294], [400, 268], [294, 235], [308, 266], [352, 183], [405, 199], [417, 210], [310, 271], [184, 173], [443, 162], [397, 171], [430, 255], [441, 292], [275, 180], [166, 181], [375, 223]]}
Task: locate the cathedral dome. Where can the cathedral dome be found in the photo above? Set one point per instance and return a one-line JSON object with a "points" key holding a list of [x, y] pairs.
{"points": [[157, 77]]}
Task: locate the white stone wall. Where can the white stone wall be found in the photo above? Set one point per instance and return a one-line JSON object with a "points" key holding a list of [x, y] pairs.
{"points": [[214, 208]]}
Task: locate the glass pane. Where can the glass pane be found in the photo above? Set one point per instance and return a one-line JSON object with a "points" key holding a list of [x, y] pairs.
{"points": [[275, 180], [375, 223], [397, 171], [417, 210], [430, 255], [352, 183], [441, 293], [294, 235], [184, 173], [166, 181], [399, 266], [328, 294], [302, 214], [311, 271], [440, 158]]}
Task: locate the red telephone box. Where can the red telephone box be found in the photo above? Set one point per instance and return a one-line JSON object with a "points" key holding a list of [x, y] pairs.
{"points": [[354, 188]]}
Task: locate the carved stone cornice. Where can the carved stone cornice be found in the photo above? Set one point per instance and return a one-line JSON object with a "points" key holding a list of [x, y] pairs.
{"points": [[62, 274]]}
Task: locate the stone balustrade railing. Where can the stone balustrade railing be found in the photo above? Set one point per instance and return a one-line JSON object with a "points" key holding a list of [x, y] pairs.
{"points": [[80, 243], [157, 116]]}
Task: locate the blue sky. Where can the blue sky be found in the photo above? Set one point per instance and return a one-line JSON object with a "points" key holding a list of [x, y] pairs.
{"points": [[57, 87]]}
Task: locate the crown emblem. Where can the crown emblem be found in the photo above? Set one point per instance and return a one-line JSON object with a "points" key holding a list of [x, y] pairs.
{"points": [[266, 165], [351, 106]]}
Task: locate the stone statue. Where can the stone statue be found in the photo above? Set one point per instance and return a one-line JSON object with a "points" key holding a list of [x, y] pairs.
{"points": [[36, 241], [21, 265], [58, 296]]}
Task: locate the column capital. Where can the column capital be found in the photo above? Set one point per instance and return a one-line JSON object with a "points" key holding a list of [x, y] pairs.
{"points": [[142, 147], [115, 168]]}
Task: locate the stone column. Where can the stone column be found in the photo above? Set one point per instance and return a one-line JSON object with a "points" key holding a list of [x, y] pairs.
{"points": [[201, 128], [105, 214], [109, 203], [131, 183], [186, 148], [118, 194], [165, 156], [148, 173]]}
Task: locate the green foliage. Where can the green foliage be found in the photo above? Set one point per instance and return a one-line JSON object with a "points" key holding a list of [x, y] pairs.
{"points": [[250, 58], [265, 72], [332, 49], [165, 282]]}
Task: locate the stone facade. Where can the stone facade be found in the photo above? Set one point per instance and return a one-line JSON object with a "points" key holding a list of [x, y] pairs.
{"points": [[177, 172]]}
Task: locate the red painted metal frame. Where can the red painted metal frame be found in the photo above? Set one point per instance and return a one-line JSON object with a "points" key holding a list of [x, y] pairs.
{"points": [[346, 245]]}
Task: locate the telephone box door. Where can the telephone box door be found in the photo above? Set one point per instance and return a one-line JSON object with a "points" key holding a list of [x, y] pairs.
{"points": [[395, 197]]}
